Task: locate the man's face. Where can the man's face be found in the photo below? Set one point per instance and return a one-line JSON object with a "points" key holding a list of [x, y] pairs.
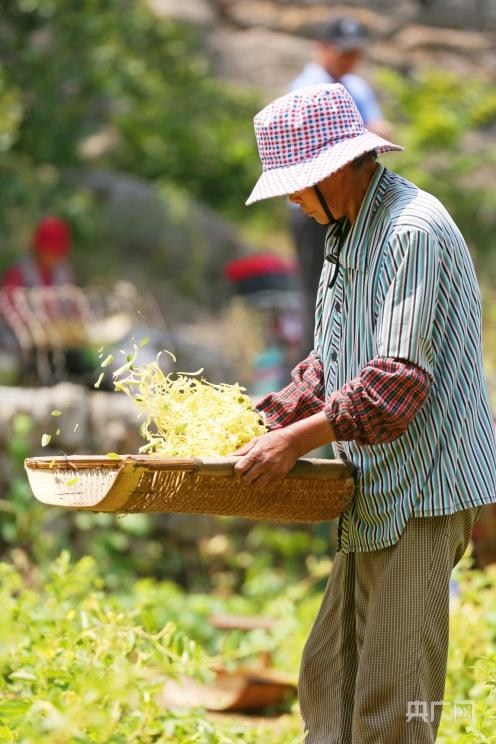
{"points": [[338, 62], [307, 199], [335, 190]]}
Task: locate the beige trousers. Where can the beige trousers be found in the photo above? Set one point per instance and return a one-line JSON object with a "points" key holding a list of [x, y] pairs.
{"points": [[380, 639]]}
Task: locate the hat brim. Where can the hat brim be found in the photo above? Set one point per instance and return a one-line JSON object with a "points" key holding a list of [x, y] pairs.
{"points": [[288, 180]]}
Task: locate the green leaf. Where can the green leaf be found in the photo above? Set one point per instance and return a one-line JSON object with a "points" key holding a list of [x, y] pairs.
{"points": [[55, 412]]}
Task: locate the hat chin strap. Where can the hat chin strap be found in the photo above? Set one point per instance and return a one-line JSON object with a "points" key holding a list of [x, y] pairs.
{"points": [[325, 206], [341, 234]]}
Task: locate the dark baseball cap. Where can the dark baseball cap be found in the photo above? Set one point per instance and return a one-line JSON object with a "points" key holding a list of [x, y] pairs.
{"points": [[346, 33]]}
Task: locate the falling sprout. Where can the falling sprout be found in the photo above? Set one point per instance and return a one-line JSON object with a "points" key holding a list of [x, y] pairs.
{"points": [[51, 464], [55, 412], [72, 482], [97, 384], [113, 456], [57, 433], [46, 439], [77, 425], [108, 360]]}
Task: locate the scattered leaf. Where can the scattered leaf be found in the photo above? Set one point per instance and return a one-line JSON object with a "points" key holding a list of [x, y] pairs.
{"points": [[72, 482], [46, 439], [55, 412], [113, 456]]}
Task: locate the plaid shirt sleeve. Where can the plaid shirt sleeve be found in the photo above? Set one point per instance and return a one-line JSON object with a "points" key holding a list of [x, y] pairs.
{"points": [[301, 398], [379, 404], [375, 407]]}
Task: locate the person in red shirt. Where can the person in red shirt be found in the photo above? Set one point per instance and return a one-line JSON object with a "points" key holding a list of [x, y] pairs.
{"points": [[47, 265]]}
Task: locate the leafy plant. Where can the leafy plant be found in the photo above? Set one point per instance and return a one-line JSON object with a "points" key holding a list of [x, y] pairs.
{"points": [[445, 126], [116, 86]]}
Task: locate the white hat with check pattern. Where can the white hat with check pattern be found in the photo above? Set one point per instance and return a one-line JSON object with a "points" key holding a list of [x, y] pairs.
{"points": [[305, 136]]}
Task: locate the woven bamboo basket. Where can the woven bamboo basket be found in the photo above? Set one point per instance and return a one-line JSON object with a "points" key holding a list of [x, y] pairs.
{"points": [[313, 491]]}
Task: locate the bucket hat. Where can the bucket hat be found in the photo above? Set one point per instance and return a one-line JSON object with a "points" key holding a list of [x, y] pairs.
{"points": [[306, 135]]}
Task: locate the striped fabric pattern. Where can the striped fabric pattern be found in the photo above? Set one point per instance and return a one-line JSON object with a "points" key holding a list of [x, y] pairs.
{"points": [[407, 289]]}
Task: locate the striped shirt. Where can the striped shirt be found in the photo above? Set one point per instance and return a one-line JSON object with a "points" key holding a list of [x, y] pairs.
{"points": [[406, 289]]}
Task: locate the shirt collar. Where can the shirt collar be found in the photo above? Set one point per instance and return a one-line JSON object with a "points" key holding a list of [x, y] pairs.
{"points": [[353, 252]]}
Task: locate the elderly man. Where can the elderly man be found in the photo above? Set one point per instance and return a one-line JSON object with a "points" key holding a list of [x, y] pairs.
{"points": [[396, 382]]}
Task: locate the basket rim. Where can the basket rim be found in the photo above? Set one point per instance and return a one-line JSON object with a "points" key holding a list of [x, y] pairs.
{"points": [[62, 462], [308, 467]]}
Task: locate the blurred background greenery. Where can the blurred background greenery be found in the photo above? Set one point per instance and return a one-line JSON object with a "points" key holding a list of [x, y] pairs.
{"points": [[92, 91]]}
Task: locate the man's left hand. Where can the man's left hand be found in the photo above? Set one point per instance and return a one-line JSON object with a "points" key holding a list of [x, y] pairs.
{"points": [[267, 459]]}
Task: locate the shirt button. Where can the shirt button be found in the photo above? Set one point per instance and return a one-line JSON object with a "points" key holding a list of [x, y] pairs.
{"points": [[334, 356]]}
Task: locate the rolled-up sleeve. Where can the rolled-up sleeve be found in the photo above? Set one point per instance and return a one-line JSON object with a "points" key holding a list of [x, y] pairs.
{"points": [[405, 321], [380, 403]]}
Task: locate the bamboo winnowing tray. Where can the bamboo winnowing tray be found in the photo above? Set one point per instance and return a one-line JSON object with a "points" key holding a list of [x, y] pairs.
{"points": [[313, 491]]}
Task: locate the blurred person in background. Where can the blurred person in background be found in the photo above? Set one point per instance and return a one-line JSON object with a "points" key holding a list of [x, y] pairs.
{"points": [[340, 47], [47, 265], [44, 314]]}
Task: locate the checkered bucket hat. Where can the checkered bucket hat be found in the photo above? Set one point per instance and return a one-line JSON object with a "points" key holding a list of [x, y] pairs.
{"points": [[306, 136]]}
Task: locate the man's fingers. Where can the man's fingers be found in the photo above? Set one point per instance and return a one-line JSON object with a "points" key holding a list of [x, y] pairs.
{"points": [[253, 471], [246, 447], [244, 464]]}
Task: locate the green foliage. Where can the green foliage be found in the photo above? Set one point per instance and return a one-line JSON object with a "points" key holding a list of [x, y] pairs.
{"points": [[81, 664], [74, 667], [114, 71], [21, 521], [472, 658], [445, 126]]}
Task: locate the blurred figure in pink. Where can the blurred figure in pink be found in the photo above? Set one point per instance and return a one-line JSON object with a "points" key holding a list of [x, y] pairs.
{"points": [[47, 265]]}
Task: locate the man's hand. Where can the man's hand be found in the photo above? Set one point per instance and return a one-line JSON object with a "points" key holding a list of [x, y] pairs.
{"points": [[267, 459]]}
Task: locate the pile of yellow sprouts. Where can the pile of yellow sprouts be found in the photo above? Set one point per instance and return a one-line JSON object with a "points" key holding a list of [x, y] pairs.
{"points": [[186, 416]]}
